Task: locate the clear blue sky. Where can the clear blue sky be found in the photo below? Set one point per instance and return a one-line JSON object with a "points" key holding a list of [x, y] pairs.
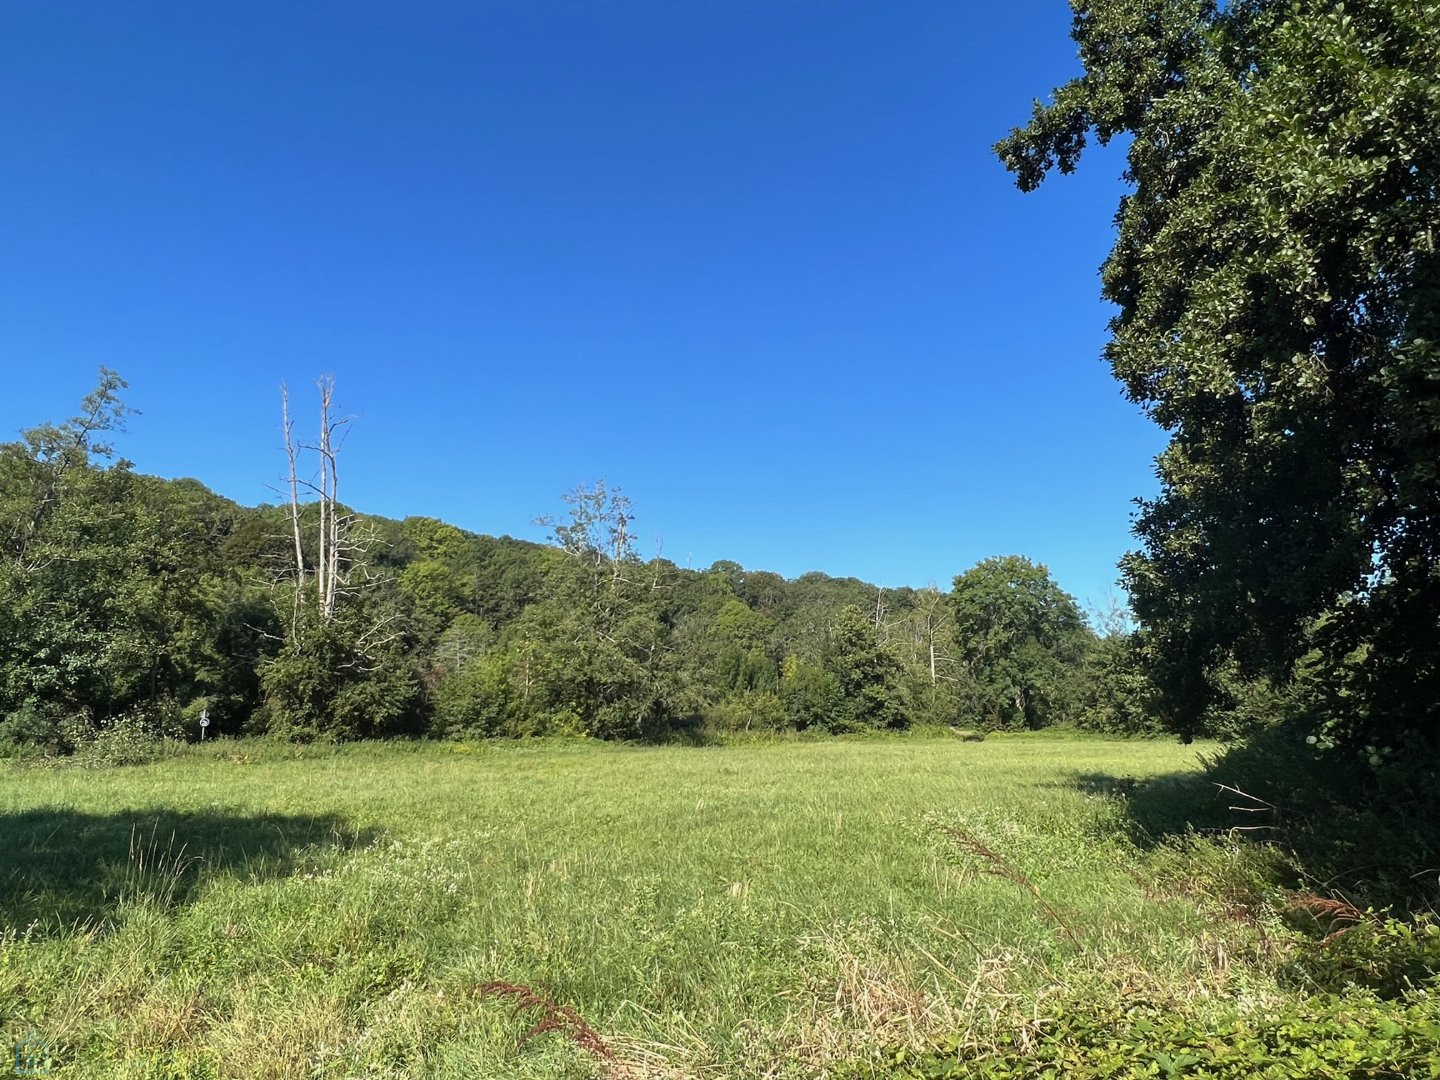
{"points": [[753, 261]]}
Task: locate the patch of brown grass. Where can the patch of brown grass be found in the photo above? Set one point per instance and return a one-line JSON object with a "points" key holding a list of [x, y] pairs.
{"points": [[860, 999], [1335, 914]]}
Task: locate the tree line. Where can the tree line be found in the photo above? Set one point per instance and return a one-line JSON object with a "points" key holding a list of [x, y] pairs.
{"points": [[126, 598]]}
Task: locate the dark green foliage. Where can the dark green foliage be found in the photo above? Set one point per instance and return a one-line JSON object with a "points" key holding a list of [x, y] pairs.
{"points": [[31, 731], [502, 691], [1278, 282], [1022, 642], [434, 591], [124, 740], [935, 683], [1352, 1037], [1362, 827], [762, 711], [133, 602], [330, 683], [1115, 689], [741, 638], [868, 677], [813, 698], [115, 592], [479, 701], [1388, 957], [74, 550], [603, 630]]}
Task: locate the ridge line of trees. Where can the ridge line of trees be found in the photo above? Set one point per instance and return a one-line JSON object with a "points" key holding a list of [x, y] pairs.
{"points": [[128, 599]]}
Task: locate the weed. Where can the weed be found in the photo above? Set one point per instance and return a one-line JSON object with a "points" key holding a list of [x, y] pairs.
{"points": [[558, 1018], [1334, 914], [1350, 1036], [152, 873], [996, 865]]}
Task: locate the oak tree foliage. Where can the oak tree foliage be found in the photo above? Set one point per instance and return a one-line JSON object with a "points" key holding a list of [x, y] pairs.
{"points": [[1275, 270]]}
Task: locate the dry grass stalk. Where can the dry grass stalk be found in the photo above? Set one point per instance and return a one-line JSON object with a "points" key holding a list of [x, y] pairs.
{"points": [[1340, 914], [1259, 806], [996, 865], [561, 1018], [638, 1059], [862, 998]]}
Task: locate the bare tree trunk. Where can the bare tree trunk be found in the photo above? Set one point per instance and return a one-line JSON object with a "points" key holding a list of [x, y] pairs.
{"points": [[290, 454], [930, 623], [322, 564], [332, 538], [329, 497]]}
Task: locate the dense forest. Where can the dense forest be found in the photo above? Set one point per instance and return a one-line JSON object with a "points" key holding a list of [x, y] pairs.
{"points": [[135, 602]]}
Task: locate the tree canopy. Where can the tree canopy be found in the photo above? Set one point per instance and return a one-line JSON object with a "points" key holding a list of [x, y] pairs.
{"points": [[1276, 275], [1022, 638], [131, 602]]}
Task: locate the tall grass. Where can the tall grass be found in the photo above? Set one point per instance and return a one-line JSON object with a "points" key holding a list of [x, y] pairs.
{"points": [[742, 911]]}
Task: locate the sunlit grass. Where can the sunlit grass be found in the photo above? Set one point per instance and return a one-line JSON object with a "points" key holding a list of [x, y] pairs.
{"points": [[739, 911]]}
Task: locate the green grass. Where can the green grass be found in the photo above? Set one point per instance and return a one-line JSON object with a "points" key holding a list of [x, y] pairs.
{"points": [[766, 910]]}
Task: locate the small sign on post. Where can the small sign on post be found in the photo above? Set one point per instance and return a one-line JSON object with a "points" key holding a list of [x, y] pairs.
{"points": [[204, 722]]}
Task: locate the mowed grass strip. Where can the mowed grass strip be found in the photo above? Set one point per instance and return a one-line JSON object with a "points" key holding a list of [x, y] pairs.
{"points": [[756, 910]]}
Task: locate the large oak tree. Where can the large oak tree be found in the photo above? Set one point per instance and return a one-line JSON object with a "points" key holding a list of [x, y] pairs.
{"points": [[1278, 289]]}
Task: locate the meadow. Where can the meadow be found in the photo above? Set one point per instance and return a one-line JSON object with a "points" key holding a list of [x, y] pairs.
{"points": [[784, 909]]}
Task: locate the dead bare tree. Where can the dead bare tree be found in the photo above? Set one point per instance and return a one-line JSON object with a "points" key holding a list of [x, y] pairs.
{"points": [[340, 540], [930, 622], [292, 455], [597, 536], [330, 516], [1110, 616]]}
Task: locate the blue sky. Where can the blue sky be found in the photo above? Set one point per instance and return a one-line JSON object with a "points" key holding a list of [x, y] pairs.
{"points": [[752, 261]]}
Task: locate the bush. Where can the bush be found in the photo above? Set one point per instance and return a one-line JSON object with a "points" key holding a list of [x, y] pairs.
{"points": [[30, 731], [1114, 690], [476, 703], [1389, 957], [1351, 1037], [813, 698], [1365, 829], [323, 687], [127, 740], [761, 711]]}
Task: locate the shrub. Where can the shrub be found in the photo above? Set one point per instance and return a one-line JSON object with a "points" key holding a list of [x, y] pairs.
{"points": [[761, 711], [811, 695], [30, 731], [326, 688], [131, 739], [1114, 690], [476, 702], [1350, 1037], [1384, 955]]}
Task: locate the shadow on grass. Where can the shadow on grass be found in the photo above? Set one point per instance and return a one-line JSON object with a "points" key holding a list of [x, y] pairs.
{"points": [[61, 868], [1347, 833], [1160, 807]]}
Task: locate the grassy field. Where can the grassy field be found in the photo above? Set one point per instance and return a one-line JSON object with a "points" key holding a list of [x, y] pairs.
{"points": [[249, 910]]}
